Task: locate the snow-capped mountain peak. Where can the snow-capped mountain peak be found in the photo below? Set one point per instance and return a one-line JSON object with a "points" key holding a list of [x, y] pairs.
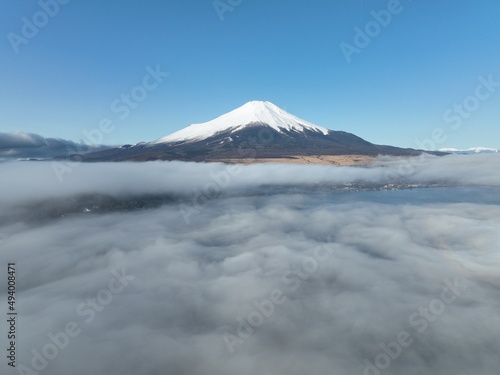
{"points": [[251, 113]]}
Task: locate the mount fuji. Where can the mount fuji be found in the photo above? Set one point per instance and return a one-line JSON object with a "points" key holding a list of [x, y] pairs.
{"points": [[253, 113], [256, 130]]}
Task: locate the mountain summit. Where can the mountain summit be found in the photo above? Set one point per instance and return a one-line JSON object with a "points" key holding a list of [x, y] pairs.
{"points": [[255, 131], [253, 113]]}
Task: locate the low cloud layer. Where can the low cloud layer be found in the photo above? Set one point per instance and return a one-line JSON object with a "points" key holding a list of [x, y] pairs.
{"points": [[22, 145], [60, 179], [283, 270]]}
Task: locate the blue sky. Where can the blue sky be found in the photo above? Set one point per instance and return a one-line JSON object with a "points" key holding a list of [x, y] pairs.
{"points": [[429, 56]]}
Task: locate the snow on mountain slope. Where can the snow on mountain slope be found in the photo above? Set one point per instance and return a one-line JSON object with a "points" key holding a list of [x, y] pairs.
{"points": [[254, 112], [474, 150]]}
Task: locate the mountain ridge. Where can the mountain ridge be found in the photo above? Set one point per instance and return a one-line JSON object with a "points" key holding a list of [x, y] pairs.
{"points": [[256, 130], [471, 151]]}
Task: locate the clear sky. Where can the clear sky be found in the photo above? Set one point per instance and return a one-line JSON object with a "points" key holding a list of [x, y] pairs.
{"points": [[395, 90]]}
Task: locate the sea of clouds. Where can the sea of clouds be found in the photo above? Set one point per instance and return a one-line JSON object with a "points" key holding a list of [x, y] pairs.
{"points": [[253, 269]]}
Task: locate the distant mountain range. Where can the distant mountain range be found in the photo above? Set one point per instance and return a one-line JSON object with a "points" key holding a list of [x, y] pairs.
{"points": [[255, 130], [470, 151], [27, 146]]}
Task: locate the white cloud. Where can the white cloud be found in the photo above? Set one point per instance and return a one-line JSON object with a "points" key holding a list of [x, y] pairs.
{"points": [[192, 282]]}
